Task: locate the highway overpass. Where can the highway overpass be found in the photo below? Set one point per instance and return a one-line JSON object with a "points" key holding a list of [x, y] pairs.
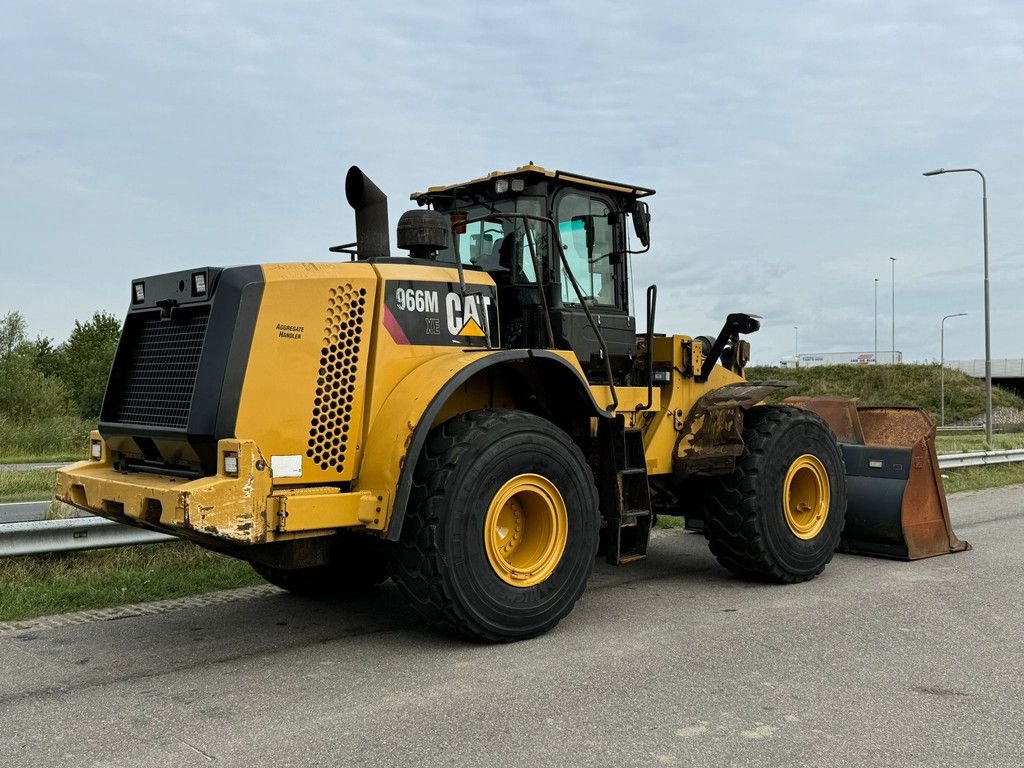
{"points": [[1007, 372]]}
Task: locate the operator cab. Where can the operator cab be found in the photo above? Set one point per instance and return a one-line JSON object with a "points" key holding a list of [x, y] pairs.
{"points": [[509, 223]]}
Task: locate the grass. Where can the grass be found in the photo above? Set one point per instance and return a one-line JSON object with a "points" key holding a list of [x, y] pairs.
{"points": [[975, 441], [40, 586], [26, 485], [62, 438], [977, 478], [46, 458], [916, 385]]}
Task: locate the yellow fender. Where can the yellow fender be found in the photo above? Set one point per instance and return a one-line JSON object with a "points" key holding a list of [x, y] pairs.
{"points": [[397, 435]]}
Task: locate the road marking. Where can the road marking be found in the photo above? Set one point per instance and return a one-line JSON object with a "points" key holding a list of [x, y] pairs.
{"points": [[24, 503]]}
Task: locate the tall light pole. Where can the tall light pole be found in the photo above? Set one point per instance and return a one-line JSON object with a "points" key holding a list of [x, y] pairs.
{"points": [[893, 260], [942, 365], [988, 327], [876, 321], [796, 341]]}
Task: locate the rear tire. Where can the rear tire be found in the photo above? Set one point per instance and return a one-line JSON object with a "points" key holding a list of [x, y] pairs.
{"points": [[357, 564], [779, 515], [501, 528]]}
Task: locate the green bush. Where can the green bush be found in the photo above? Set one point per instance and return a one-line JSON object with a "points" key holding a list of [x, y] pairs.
{"points": [[85, 363], [47, 404]]}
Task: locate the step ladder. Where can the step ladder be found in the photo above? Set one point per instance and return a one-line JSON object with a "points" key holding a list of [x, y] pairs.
{"points": [[627, 497]]}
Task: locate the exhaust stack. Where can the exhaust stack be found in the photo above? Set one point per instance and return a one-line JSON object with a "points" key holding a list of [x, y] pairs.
{"points": [[371, 207]]}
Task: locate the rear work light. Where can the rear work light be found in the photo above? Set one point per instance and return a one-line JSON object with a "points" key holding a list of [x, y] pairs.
{"points": [[96, 450], [231, 463], [198, 283], [138, 293]]}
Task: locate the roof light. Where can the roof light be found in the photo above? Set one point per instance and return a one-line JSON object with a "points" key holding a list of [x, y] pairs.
{"points": [[518, 185], [198, 283], [138, 293], [501, 186]]}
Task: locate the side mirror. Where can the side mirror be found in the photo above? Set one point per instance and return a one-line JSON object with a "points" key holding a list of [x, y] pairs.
{"points": [[641, 214]]}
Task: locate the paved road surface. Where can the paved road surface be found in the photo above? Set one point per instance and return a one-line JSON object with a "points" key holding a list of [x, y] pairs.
{"points": [[26, 467], [23, 511], [668, 662], [28, 511]]}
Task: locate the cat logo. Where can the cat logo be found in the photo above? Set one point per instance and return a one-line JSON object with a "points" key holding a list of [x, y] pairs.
{"points": [[434, 313], [472, 328]]}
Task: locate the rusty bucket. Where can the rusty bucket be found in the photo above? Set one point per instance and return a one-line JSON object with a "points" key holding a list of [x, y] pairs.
{"points": [[896, 504]]}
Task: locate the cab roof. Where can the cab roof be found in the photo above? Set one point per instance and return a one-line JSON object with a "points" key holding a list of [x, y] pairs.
{"points": [[531, 174]]}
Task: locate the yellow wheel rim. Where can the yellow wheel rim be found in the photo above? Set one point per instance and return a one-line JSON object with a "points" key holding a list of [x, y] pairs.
{"points": [[525, 530], [805, 496]]}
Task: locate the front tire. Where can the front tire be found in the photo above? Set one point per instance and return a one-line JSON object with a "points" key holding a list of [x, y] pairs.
{"points": [[779, 515], [501, 528]]}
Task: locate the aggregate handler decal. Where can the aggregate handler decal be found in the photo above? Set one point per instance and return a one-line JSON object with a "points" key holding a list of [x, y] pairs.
{"points": [[436, 314]]}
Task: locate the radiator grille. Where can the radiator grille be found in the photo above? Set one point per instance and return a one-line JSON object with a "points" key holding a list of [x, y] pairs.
{"points": [[155, 383], [335, 384]]}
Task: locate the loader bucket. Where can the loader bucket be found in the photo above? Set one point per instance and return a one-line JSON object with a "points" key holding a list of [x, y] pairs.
{"points": [[896, 504]]}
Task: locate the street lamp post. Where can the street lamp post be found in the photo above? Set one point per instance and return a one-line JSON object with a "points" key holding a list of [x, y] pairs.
{"points": [[942, 365], [988, 326], [796, 342], [876, 321], [893, 260]]}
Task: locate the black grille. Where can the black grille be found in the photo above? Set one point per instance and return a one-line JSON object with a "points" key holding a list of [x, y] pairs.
{"points": [[152, 383]]}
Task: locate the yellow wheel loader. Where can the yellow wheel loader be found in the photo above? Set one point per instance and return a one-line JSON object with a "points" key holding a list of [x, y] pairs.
{"points": [[479, 419]]}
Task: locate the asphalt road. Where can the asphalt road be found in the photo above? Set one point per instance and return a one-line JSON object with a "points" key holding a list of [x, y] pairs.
{"points": [[29, 511], [27, 467], [22, 511], [667, 662]]}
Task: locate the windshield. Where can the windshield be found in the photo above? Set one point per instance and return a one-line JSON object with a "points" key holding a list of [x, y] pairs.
{"points": [[500, 245]]}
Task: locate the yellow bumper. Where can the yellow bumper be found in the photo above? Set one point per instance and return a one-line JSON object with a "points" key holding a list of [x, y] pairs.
{"points": [[243, 509]]}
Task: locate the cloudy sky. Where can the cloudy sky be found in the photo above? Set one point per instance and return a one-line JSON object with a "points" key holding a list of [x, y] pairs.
{"points": [[786, 142]]}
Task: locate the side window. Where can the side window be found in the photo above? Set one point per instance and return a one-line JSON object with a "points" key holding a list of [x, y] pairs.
{"points": [[585, 228]]}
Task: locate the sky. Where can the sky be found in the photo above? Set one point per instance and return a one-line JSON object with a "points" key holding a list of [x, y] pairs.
{"points": [[786, 142]]}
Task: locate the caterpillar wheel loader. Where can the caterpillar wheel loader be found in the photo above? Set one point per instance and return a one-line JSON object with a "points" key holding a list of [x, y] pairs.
{"points": [[479, 419]]}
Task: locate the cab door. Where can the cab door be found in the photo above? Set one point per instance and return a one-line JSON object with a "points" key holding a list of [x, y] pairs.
{"points": [[590, 231]]}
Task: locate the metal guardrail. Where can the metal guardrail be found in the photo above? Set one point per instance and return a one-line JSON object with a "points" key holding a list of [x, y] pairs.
{"points": [[44, 536], [980, 458]]}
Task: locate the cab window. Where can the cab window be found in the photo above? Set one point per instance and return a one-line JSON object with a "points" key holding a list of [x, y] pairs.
{"points": [[501, 246], [478, 242], [585, 228]]}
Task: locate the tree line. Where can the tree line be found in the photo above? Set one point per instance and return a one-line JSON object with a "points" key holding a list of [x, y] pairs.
{"points": [[41, 379]]}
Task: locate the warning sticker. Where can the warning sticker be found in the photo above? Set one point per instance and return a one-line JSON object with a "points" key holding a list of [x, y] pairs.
{"points": [[424, 313]]}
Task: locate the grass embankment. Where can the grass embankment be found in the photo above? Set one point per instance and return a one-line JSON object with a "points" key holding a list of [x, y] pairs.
{"points": [[62, 438], [40, 586], [916, 385]]}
